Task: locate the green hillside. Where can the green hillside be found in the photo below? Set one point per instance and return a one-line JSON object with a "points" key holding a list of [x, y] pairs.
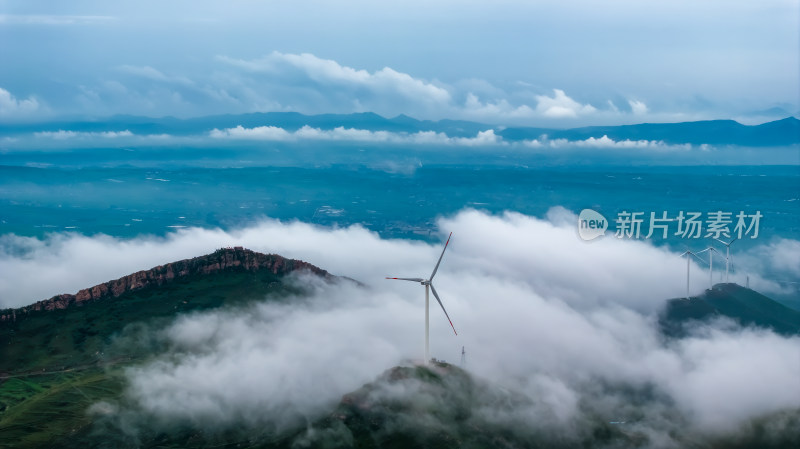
{"points": [[745, 306], [443, 406], [59, 359], [54, 364]]}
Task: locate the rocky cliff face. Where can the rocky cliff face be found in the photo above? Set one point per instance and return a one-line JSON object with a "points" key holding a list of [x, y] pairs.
{"points": [[224, 259]]}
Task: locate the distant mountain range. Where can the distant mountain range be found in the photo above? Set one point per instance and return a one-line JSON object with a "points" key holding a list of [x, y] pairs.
{"points": [[60, 356], [714, 132]]}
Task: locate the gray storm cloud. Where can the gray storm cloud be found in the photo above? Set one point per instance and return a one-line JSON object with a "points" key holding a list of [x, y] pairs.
{"points": [[539, 311]]}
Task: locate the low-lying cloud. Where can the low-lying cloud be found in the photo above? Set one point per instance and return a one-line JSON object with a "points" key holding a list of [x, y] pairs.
{"points": [[544, 253], [274, 133], [606, 142], [12, 107], [62, 134], [307, 133], [487, 138], [560, 105], [483, 138], [539, 311]]}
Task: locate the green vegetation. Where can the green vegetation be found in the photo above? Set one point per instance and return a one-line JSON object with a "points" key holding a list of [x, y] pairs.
{"points": [[62, 378], [49, 408], [443, 406], [55, 364]]}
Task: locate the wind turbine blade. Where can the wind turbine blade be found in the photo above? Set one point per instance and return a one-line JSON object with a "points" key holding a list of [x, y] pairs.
{"points": [[724, 243], [710, 250], [440, 258], [436, 295], [408, 279], [698, 257]]}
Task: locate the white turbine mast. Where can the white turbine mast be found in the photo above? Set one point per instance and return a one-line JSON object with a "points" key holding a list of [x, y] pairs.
{"points": [[711, 250], [687, 253], [727, 255], [428, 283]]}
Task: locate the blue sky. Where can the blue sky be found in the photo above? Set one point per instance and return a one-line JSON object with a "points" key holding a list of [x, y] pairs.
{"points": [[563, 64]]}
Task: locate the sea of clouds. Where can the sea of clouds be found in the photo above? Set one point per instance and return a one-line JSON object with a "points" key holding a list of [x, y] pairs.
{"points": [[538, 310]]}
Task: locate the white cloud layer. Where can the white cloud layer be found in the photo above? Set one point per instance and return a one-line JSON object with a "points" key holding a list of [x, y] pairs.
{"points": [[539, 311], [62, 134], [561, 106], [781, 256], [606, 142], [11, 107], [637, 107], [329, 72], [498, 110], [677, 58], [304, 82], [273, 133], [483, 138]]}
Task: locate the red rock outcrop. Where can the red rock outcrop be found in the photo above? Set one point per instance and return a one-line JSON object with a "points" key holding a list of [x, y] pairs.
{"points": [[223, 259]]}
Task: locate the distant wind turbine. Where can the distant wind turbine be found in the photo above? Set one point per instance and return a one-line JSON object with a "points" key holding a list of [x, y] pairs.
{"points": [[727, 256], [711, 250], [687, 253], [429, 288]]}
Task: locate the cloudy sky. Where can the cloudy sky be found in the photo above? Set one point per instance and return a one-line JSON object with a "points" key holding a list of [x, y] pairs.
{"points": [[563, 63]]}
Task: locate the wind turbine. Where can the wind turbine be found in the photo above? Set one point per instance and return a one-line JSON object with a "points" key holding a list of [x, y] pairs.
{"points": [[429, 288], [727, 255], [688, 260], [711, 250]]}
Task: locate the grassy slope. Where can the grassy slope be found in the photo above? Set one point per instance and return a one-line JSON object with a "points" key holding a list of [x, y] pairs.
{"points": [[54, 365], [58, 364]]}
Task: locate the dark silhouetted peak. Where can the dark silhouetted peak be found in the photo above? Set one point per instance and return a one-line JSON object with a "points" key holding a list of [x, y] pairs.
{"points": [[743, 305]]}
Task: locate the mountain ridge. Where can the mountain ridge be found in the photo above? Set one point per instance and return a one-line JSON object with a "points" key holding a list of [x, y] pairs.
{"points": [[729, 300], [61, 362], [220, 260], [781, 132]]}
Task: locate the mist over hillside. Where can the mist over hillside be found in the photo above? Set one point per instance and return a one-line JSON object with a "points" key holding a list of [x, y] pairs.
{"points": [[575, 332], [201, 202]]}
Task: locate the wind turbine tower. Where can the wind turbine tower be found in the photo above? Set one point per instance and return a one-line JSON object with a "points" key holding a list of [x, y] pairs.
{"points": [[727, 256], [711, 250], [689, 253], [428, 283]]}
